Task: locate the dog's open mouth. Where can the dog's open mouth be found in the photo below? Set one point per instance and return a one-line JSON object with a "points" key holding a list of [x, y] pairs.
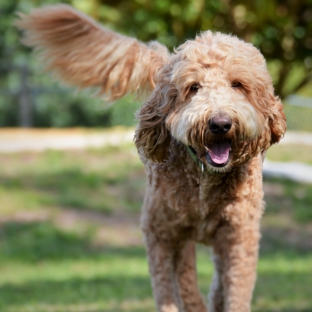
{"points": [[218, 153]]}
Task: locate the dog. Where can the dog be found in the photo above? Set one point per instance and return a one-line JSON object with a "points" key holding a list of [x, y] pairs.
{"points": [[202, 134]]}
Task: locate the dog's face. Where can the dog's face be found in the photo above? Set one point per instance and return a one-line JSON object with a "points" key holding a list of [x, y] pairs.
{"points": [[216, 96]]}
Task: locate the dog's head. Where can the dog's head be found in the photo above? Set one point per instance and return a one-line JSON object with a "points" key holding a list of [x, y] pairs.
{"points": [[214, 95]]}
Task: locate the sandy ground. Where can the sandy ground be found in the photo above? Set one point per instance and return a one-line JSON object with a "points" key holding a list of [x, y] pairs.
{"points": [[15, 140]]}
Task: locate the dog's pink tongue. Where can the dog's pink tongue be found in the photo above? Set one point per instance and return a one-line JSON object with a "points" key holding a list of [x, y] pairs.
{"points": [[219, 152]]}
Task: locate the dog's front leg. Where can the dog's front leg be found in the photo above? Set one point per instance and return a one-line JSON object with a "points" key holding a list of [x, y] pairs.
{"points": [[187, 278], [235, 254], [161, 265]]}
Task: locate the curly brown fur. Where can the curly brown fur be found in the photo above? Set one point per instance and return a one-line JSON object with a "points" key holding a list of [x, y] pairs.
{"points": [[214, 97]]}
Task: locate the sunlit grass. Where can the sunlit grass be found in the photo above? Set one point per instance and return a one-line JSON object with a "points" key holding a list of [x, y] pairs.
{"points": [[291, 152], [298, 118]]}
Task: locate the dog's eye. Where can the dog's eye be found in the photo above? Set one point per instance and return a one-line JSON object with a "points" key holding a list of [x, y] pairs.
{"points": [[236, 84], [194, 87]]}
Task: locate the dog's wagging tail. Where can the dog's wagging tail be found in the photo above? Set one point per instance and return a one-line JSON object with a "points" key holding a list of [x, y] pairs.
{"points": [[209, 117]]}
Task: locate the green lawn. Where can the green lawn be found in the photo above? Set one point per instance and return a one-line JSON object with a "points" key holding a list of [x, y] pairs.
{"points": [[288, 153], [298, 118], [70, 239]]}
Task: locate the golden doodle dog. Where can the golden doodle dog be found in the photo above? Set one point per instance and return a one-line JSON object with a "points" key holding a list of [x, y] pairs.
{"points": [[202, 135]]}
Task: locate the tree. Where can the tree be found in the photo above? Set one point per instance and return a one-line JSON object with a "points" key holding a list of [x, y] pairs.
{"points": [[29, 98], [281, 29]]}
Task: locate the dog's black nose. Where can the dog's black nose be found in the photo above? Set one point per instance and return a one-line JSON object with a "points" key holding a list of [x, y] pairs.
{"points": [[220, 124]]}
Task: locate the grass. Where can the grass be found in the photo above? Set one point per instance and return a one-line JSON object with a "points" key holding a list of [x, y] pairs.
{"points": [[298, 196], [288, 153], [298, 118], [70, 239], [53, 178]]}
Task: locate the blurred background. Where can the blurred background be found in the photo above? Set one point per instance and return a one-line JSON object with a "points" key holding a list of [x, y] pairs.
{"points": [[71, 183]]}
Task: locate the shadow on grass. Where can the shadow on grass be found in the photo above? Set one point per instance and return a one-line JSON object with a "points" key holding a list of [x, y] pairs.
{"points": [[76, 290], [74, 188], [121, 289], [284, 241], [283, 283], [37, 241], [290, 197], [278, 299]]}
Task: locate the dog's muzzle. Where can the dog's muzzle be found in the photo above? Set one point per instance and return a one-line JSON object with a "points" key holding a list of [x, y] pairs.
{"points": [[218, 150]]}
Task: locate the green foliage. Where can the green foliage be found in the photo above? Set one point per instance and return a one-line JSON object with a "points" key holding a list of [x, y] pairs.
{"points": [[52, 105], [123, 112], [282, 31], [37, 241], [66, 108]]}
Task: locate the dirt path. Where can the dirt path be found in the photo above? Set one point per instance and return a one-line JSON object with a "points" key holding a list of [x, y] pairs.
{"points": [[15, 140], [291, 170]]}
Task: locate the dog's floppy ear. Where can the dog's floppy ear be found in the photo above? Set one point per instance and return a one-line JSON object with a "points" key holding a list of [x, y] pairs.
{"points": [[85, 54], [277, 119], [151, 134]]}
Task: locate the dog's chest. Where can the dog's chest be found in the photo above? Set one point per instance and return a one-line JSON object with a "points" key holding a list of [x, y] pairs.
{"points": [[191, 207], [204, 231]]}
